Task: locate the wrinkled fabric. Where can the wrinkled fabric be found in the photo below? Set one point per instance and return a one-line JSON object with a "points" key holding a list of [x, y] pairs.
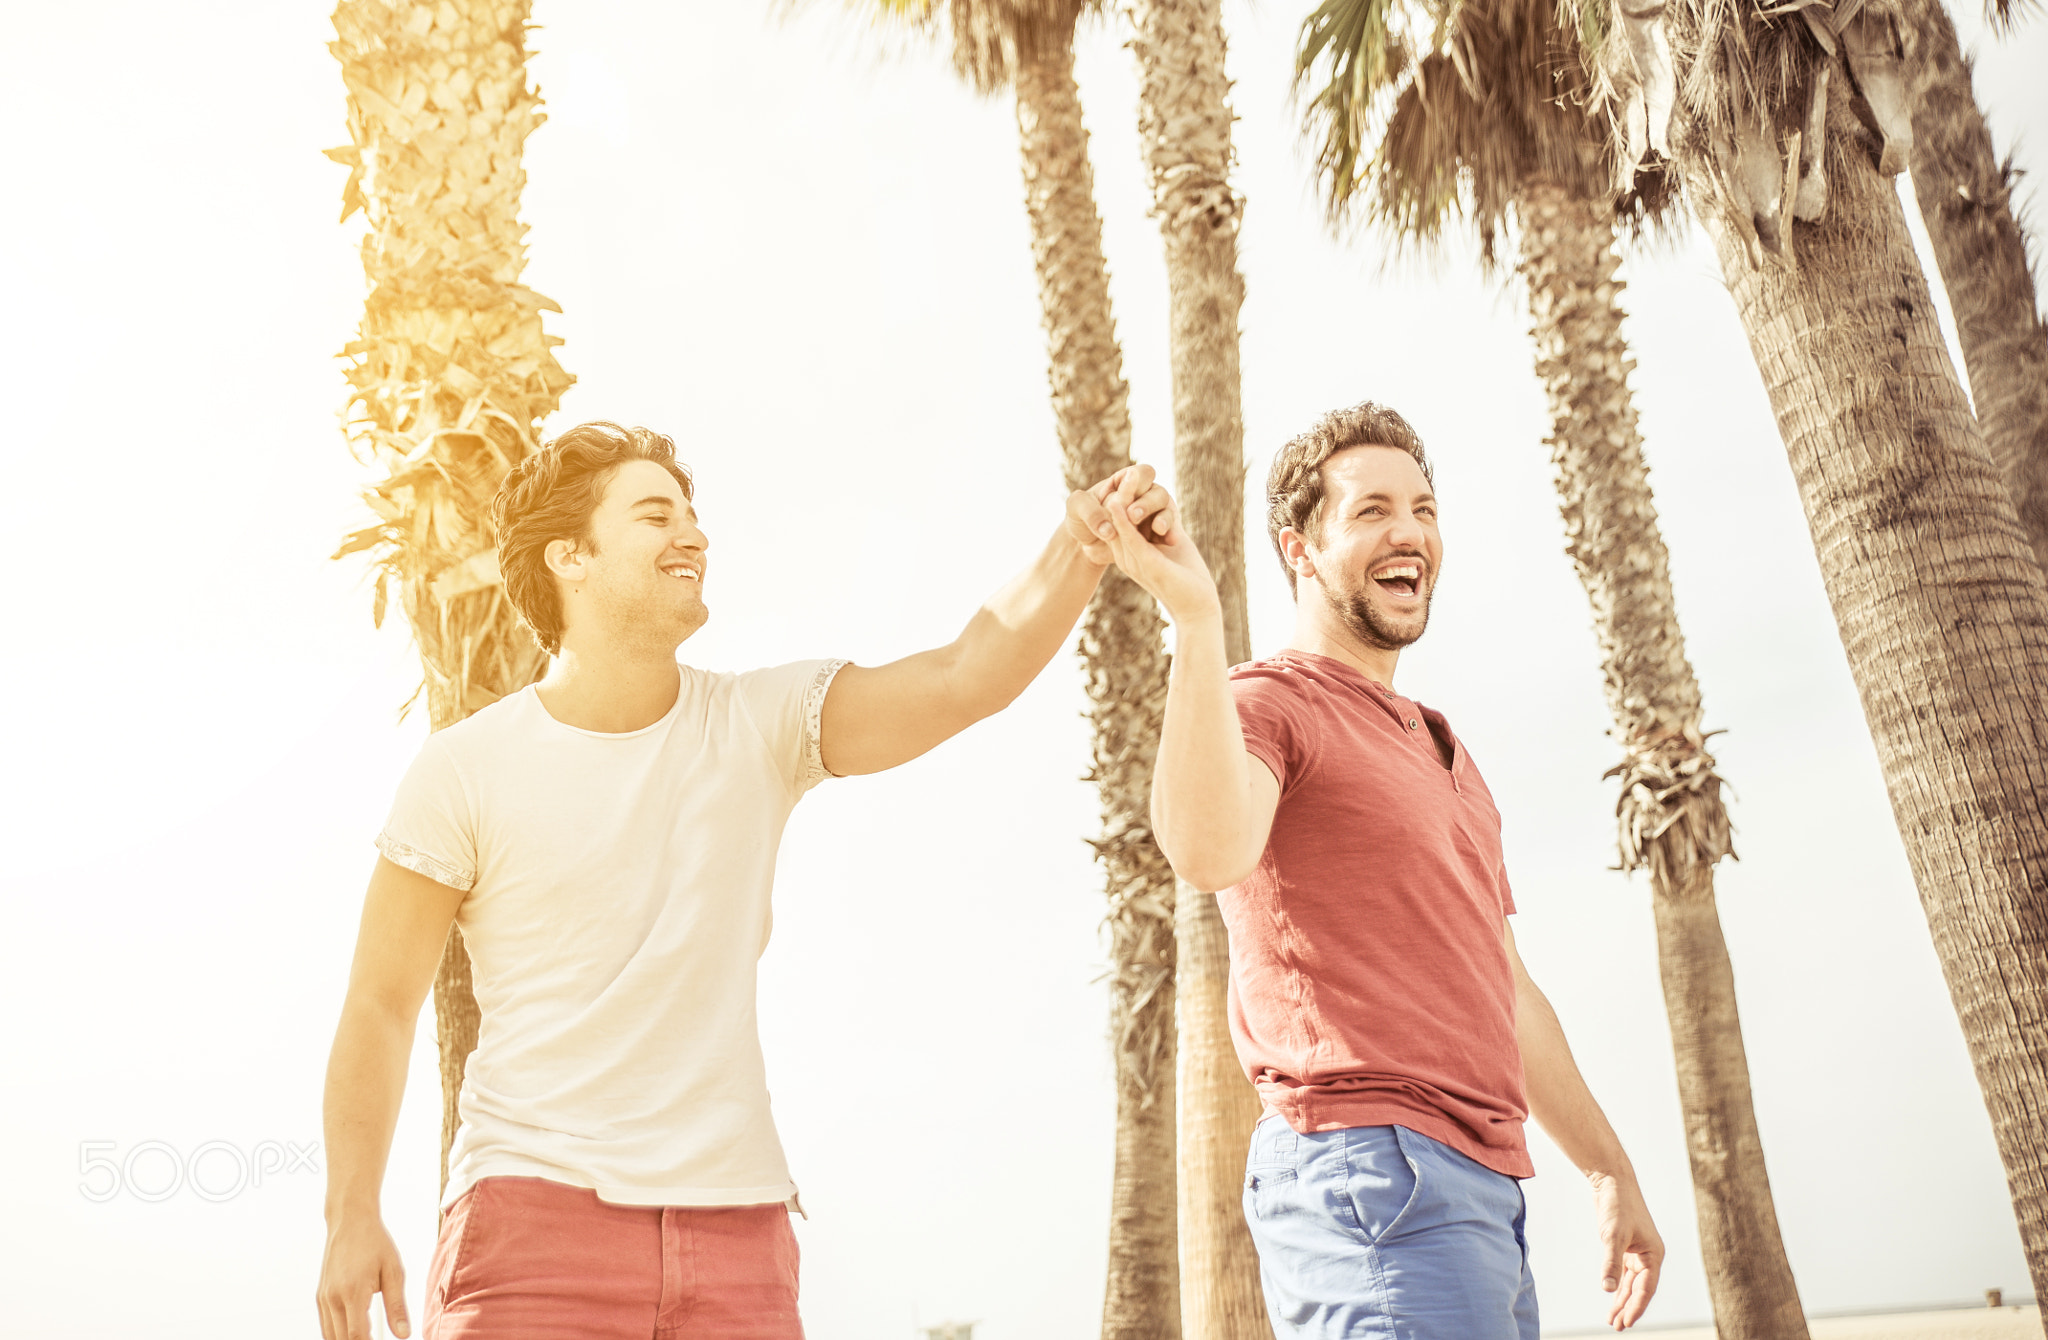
{"points": [[618, 903], [523, 1257], [1381, 1233], [1369, 975]]}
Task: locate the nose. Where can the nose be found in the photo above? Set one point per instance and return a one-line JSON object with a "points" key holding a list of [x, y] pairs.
{"points": [[693, 537], [1406, 530]]}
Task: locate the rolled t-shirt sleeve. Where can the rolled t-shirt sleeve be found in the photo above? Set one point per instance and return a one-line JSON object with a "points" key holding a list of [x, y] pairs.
{"points": [[786, 704], [1279, 729], [432, 828]]}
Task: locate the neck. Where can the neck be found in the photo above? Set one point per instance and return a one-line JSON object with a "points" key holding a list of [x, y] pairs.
{"points": [[608, 689], [1318, 629]]}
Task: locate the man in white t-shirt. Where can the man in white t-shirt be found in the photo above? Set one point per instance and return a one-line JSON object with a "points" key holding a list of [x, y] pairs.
{"points": [[606, 841]]}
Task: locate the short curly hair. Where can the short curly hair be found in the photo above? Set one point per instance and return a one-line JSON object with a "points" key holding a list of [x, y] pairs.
{"points": [[551, 495], [1295, 488]]}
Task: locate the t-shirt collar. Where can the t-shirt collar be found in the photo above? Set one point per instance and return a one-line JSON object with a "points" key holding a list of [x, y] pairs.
{"points": [[1344, 669], [1381, 693]]}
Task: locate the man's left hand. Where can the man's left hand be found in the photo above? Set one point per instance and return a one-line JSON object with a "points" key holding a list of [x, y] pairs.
{"points": [[1148, 507], [1632, 1253]]}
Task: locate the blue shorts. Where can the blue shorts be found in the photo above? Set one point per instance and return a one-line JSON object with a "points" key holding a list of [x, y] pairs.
{"points": [[1380, 1232]]}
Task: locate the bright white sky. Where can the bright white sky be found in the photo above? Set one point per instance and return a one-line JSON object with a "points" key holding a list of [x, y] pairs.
{"points": [[808, 262]]}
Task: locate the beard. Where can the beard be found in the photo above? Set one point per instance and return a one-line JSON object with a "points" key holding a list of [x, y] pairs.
{"points": [[1372, 627], [650, 617]]}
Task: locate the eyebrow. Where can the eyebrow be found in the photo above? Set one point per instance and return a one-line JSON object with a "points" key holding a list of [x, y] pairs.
{"points": [[1383, 496], [658, 501]]}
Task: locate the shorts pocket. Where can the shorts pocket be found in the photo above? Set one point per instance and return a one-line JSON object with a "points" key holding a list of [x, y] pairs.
{"points": [[1383, 1180], [1274, 1145], [1267, 1191], [452, 1251], [793, 1255]]}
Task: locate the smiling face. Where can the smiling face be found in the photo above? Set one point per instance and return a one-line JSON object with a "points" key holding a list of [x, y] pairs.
{"points": [[641, 579], [1375, 552]]}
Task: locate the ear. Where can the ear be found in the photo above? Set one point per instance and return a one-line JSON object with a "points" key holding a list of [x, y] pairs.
{"points": [[1294, 547], [564, 559]]}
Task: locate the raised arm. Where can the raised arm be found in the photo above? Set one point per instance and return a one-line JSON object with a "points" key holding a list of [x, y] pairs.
{"points": [[405, 924], [1632, 1253], [1212, 802], [876, 718]]}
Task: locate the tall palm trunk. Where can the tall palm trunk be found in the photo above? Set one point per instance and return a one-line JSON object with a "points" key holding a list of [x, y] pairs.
{"points": [[1942, 610], [452, 373], [1672, 818], [1965, 197], [1184, 124], [1125, 662]]}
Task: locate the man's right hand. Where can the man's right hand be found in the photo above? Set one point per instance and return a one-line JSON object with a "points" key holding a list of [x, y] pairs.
{"points": [[1171, 569], [406, 917], [361, 1259]]}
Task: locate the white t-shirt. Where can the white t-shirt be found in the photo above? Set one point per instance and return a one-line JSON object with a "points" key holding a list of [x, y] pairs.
{"points": [[618, 904]]}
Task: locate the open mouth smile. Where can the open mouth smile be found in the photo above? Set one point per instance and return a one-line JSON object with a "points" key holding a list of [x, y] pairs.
{"points": [[685, 571], [1402, 577]]}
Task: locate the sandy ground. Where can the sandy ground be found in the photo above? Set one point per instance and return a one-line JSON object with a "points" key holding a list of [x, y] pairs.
{"points": [[1982, 1323]]}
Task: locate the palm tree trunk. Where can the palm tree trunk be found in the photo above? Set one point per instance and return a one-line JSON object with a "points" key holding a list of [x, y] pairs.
{"points": [[1184, 125], [1965, 197], [452, 373], [1125, 664], [1942, 610], [1673, 820], [1220, 1292]]}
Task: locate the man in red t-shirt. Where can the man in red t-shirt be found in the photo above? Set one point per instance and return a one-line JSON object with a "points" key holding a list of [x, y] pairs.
{"points": [[1376, 998]]}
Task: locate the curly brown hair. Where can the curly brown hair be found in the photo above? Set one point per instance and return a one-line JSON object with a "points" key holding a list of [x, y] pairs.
{"points": [[1295, 487], [551, 495]]}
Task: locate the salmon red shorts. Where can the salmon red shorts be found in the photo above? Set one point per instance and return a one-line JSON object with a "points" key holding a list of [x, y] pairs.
{"points": [[523, 1258]]}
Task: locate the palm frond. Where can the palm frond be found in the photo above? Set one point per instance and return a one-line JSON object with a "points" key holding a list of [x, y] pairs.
{"points": [[1356, 40], [1414, 142], [2004, 15], [1590, 21], [987, 37]]}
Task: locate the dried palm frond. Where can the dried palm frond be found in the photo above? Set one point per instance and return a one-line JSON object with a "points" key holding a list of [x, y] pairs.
{"points": [[1673, 821], [1748, 107]]}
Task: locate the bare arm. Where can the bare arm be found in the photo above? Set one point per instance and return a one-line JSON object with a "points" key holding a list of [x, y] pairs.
{"points": [[405, 923], [1564, 1107], [876, 718], [1212, 802]]}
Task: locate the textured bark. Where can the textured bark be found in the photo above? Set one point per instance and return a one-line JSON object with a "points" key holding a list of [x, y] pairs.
{"points": [[1942, 609], [1184, 127], [1124, 659], [451, 372], [1965, 196], [1673, 820], [1219, 1268], [1184, 121]]}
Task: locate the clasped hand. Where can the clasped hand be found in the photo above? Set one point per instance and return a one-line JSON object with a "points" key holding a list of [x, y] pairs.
{"points": [[1129, 520]]}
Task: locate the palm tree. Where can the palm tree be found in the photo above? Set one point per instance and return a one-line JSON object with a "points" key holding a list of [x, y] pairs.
{"points": [[451, 373], [1965, 195], [1784, 126], [1027, 46], [1483, 125], [1184, 121]]}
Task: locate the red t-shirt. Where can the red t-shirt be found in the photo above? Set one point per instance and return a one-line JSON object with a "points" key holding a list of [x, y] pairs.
{"points": [[1369, 981]]}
